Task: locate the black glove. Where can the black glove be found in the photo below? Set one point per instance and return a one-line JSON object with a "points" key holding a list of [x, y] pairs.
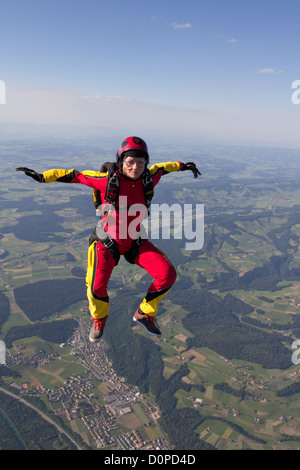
{"points": [[36, 176], [191, 166]]}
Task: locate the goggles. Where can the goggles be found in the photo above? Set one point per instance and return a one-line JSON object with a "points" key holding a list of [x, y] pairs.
{"points": [[131, 161]]}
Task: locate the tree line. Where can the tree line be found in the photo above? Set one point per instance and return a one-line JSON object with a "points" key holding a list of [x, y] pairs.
{"points": [[33, 432], [42, 299]]}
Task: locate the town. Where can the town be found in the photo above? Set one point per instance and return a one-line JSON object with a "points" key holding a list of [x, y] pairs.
{"points": [[103, 420]]}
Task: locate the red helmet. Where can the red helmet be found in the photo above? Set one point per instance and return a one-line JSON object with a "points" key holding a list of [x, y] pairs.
{"points": [[133, 143]]}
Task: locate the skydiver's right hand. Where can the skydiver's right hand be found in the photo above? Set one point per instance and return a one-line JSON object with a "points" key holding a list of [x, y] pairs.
{"points": [[33, 174]]}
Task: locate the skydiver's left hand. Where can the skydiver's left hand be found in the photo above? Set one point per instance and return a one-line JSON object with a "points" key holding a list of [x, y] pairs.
{"points": [[192, 167]]}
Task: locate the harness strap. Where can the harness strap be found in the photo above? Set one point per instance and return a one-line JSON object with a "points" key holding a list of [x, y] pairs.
{"points": [[109, 243], [112, 246], [111, 200], [133, 252], [113, 187]]}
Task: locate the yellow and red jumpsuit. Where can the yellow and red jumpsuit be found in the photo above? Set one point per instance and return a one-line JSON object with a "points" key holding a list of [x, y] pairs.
{"points": [[100, 261]]}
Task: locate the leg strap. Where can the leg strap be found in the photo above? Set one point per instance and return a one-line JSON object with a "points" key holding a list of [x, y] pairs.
{"points": [[108, 243], [132, 253]]}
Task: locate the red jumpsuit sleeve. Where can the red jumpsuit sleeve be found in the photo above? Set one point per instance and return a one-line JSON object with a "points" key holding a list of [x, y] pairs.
{"points": [[93, 179]]}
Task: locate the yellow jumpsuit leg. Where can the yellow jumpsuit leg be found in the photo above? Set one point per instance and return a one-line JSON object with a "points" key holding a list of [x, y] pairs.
{"points": [[100, 266]]}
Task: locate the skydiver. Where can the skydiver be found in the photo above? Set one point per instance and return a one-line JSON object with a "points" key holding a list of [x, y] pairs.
{"points": [[129, 180]]}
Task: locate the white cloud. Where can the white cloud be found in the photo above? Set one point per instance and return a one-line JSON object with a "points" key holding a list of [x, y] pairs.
{"points": [[182, 25], [269, 70], [104, 98], [232, 41]]}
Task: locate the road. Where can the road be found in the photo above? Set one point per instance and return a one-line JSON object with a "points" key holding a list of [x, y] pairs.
{"points": [[42, 415]]}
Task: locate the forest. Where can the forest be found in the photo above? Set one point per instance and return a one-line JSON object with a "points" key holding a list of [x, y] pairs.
{"points": [[34, 433], [46, 226], [4, 309], [56, 331], [216, 325], [42, 299]]}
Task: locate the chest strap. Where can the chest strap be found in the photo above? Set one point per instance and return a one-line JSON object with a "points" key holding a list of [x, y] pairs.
{"points": [[113, 189]]}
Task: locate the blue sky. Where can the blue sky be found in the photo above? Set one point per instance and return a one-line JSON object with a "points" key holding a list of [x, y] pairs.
{"points": [[215, 69]]}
